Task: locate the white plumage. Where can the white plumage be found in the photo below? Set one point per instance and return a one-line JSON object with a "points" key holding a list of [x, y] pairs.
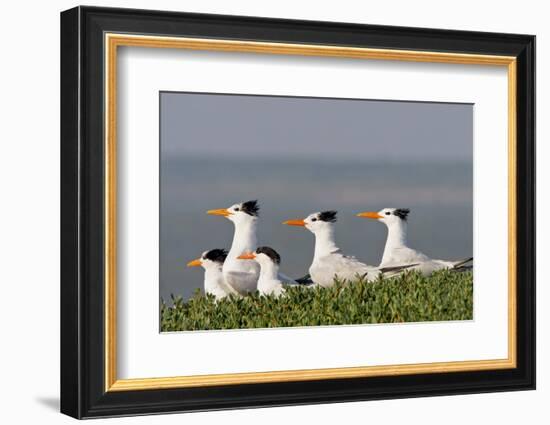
{"points": [[324, 269], [329, 263], [269, 282], [396, 251], [242, 275], [214, 282]]}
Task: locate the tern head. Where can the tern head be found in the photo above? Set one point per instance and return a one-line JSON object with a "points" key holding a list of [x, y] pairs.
{"points": [[388, 216], [210, 259], [315, 222], [262, 255], [239, 213]]}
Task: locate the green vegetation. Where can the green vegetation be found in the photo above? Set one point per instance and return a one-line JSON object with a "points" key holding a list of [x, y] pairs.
{"points": [[409, 298]]}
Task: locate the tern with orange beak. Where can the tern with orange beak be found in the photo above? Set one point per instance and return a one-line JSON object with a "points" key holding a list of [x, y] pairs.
{"points": [[241, 275], [396, 251], [329, 263], [269, 261], [214, 282]]}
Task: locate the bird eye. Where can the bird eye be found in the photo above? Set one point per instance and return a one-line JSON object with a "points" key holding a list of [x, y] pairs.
{"points": [[313, 219], [387, 213], [237, 208]]}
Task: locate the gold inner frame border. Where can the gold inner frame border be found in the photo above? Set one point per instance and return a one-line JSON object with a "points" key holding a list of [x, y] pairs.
{"points": [[113, 41]]}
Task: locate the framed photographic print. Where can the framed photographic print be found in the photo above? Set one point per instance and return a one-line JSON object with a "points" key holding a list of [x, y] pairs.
{"points": [[261, 212]]}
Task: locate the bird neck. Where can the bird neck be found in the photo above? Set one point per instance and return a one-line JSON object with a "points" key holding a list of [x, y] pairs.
{"points": [[397, 238], [244, 238], [324, 242], [212, 275], [269, 271]]}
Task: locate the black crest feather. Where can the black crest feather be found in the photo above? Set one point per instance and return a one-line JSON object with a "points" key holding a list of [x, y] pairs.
{"points": [[328, 216], [270, 252], [402, 213], [217, 255], [251, 208]]}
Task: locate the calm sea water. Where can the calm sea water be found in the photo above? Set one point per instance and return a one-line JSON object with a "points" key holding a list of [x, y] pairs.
{"points": [[439, 195]]}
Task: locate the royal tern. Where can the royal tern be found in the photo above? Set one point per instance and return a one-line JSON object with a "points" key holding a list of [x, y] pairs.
{"points": [[328, 260], [396, 251], [241, 275], [269, 261], [212, 263]]}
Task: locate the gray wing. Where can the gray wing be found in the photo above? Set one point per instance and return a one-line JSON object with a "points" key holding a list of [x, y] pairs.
{"points": [[242, 282], [342, 267], [405, 255]]}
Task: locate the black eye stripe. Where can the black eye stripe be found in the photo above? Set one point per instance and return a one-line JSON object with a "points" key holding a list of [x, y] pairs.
{"points": [[250, 207], [328, 216], [402, 213], [217, 255], [270, 252]]}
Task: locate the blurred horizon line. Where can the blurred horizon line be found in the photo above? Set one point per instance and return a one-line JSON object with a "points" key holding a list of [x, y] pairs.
{"points": [[170, 156]]}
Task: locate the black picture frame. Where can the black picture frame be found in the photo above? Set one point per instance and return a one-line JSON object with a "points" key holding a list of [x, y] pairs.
{"points": [[82, 218]]}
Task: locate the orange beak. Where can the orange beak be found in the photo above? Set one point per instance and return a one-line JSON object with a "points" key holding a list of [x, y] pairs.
{"points": [[223, 212], [370, 214], [295, 222], [195, 263], [247, 256]]}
